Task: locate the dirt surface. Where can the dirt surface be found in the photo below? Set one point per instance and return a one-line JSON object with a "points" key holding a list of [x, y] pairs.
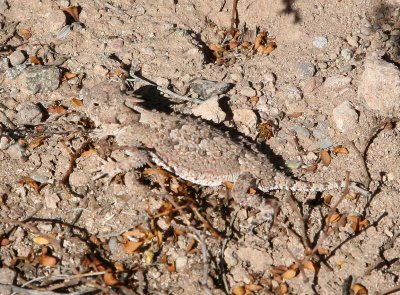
{"points": [[145, 231]]}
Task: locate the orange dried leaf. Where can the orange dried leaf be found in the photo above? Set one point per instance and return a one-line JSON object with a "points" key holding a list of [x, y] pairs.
{"points": [[46, 260], [216, 47], [131, 247], [119, 266], [339, 149], [32, 183], [322, 251], [295, 115], [39, 240], [253, 287], [4, 242], [68, 75], [72, 11], [289, 274], [334, 218], [76, 102], [229, 185], [325, 158], [35, 60], [359, 289], [109, 279], [311, 168], [88, 152], [283, 288], [309, 265], [171, 267], [328, 200], [261, 39], [191, 244], [238, 290], [36, 142], [56, 109], [268, 48], [26, 33], [246, 44]]}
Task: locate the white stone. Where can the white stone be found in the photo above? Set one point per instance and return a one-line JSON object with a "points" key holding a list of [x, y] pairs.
{"points": [[379, 87], [345, 116], [246, 120], [210, 110]]}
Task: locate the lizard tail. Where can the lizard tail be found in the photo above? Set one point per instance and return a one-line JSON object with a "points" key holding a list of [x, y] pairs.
{"points": [[305, 186]]}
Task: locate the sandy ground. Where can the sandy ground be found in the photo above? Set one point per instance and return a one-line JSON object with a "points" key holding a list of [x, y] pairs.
{"points": [[301, 101]]}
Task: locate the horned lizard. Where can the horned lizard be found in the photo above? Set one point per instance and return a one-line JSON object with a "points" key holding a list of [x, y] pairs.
{"points": [[198, 152]]}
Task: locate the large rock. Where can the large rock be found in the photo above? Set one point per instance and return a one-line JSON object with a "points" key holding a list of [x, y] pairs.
{"points": [[42, 78], [379, 87]]}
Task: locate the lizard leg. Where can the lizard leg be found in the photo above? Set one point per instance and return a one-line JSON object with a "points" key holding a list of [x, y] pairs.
{"points": [[267, 210]]}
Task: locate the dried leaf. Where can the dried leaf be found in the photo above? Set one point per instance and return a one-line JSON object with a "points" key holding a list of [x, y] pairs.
{"points": [[190, 246], [359, 289], [334, 218], [88, 152], [171, 267], [229, 185], [39, 240], [216, 47], [56, 109], [4, 242], [328, 200], [311, 168], [76, 102], [283, 288], [268, 48], [109, 279], [309, 265], [295, 115], [238, 290], [119, 266], [32, 183], [266, 130], [358, 224], [261, 39], [289, 274], [148, 257], [72, 11], [68, 75], [26, 33], [322, 251], [339, 149], [131, 247], [246, 44], [253, 287], [47, 260], [35, 60], [325, 158], [36, 142]]}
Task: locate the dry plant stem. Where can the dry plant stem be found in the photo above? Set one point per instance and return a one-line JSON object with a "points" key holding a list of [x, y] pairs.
{"points": [[327, 230], [295, 208], [164, 90], [234, 17], [388, 245], [303, 274], [64, 277], [389, 291], [23, 291]]}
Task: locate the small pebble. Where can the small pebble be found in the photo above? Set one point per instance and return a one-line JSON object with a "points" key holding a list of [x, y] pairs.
{"points": [[269, 78], [320, 42], [29, 114], [366, 31], [42, 78], [7, 276], [305, 70], [248, 91], [17, 57], [208, 88], [4, 5], [346, 53], [352, 40], [181, 263], [345, 116], [322, 65]]}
